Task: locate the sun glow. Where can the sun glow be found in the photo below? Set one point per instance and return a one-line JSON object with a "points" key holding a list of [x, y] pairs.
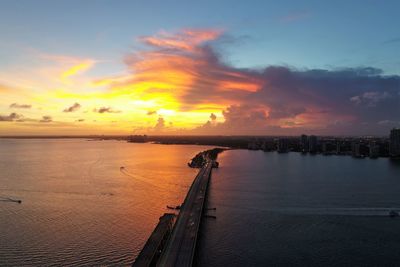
{"points": [[177, 84], [76, 69]]}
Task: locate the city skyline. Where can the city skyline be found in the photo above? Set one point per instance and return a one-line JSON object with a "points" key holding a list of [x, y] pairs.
{"points": [[72, 68]]}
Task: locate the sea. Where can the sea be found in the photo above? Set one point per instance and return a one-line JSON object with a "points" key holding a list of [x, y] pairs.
{"points": [[95, 203]]}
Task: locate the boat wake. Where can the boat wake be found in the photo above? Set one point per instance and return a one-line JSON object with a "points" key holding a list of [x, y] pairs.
{"points": [[125, 172], [9, 199], [364, 211], [351, 211]]}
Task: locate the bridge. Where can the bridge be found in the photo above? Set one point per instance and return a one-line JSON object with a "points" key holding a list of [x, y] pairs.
{"points": [[180, 248]]}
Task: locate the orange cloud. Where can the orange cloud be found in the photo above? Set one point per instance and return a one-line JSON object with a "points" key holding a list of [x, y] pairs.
{"points": [[7, 89], [182, 78], [186, 40], [185, 69], [76, 69]]}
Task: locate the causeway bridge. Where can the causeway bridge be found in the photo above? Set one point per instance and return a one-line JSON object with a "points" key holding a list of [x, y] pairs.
{"points": [[178, 242]]}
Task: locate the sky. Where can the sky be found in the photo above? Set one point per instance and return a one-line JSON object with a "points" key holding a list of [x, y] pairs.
{"points": [[199, 67]]}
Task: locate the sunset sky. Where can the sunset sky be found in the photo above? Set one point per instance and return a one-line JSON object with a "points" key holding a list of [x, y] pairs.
{"points": [[199, 67]]}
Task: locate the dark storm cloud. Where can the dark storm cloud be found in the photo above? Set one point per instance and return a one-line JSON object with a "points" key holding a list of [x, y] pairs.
{"points": [[276, 97], [359, 100], [362, 93]]}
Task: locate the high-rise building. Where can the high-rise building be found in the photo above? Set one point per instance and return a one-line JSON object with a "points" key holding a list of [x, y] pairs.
{"points": [[394, 148], [304, 143], [374, 150], [338, 147], [355, 149], [253, 145], [313, 144], [268, 145], [283, 145], [324, 147]]}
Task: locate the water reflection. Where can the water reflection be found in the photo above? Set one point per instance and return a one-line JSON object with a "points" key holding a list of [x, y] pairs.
{"points": [[300, 210], [78, 208], [394, 163]]}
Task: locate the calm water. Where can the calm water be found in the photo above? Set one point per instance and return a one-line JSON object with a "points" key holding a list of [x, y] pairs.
{"points": [[295, 210], [78, 208]]}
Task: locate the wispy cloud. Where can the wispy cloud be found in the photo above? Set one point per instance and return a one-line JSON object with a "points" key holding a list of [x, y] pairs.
{"points": [[46, 119], [295, 16], [11, 117], [67, 68], [16, 105], [6, 88], [186, 40], [106, 110], [392, 41], [151, 112], [73, 108], [76, 69], [371, 99]]}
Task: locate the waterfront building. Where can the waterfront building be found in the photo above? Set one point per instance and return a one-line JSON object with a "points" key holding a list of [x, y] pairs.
{"points": [[324, 147], [268, 145], [283, 145], [394, 146], [338, 147], [254, 145], [138, 139], [356, 149], [304, 143], [312, 144], [374, 150]]}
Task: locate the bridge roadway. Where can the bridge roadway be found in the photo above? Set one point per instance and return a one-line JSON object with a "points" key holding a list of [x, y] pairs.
{"points": [[182, 244]]}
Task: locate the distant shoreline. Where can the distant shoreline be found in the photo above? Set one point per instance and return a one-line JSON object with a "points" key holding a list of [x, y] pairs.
{"points": [[62, 137], [118, 136], [263, 143]]}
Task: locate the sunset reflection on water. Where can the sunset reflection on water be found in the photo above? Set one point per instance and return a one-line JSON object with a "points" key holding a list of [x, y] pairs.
{"points": [[78, 207]]}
